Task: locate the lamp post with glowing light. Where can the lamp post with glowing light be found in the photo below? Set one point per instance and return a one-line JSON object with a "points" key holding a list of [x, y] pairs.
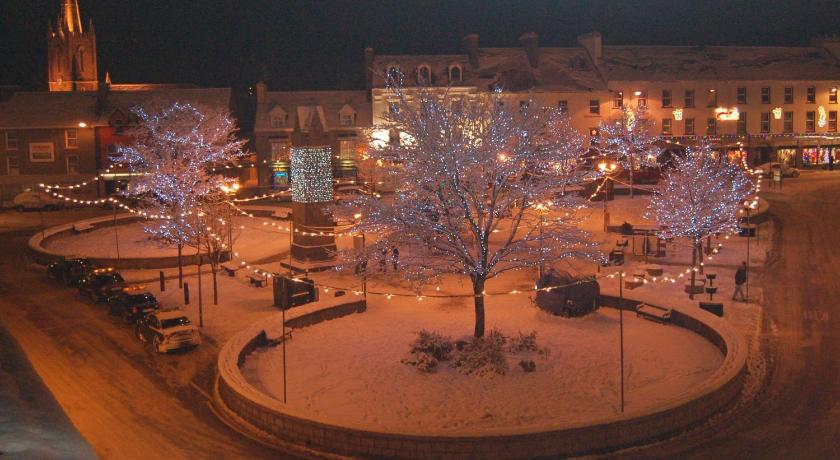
{"points": [[358, 216], [542, 209], [230, 191], [606, 167]]}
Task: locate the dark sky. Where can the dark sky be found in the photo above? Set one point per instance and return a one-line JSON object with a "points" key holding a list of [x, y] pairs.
{"points": [[319, 44]]}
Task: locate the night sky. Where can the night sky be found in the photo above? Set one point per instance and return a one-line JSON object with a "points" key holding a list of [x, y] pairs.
{"points": [[319, 45]]}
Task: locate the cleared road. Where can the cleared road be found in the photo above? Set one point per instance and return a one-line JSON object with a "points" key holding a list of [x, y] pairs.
{"points": [[126, 401]]}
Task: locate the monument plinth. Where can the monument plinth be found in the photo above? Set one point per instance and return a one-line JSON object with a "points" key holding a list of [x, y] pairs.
{"points": [[312, 193]]}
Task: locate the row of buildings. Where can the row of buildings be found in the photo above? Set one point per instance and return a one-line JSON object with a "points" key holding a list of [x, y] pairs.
{"points": [[760, 103]]}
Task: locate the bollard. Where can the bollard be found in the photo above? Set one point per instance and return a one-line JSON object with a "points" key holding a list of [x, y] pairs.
{"points": [[186, 294], [162, 282]]}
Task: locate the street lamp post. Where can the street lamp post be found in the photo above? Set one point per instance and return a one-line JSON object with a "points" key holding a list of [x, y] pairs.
{"points": [[606, 167], [364, 269]]}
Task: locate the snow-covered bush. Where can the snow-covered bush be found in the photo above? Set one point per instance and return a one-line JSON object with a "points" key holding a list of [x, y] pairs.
{"points": [[428, 349], [483, 355], [524, 342]]}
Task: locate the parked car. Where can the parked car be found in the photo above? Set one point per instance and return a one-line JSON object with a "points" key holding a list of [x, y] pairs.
{"points": [[167, 331], [132, 303], [101, 283], [787, 171], [69, 270], [32, 199]]}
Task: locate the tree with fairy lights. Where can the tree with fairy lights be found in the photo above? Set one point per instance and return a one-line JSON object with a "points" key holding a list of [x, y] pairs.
{"points": [[699, 196], [629, 140], [471, 174], [172, 157]]}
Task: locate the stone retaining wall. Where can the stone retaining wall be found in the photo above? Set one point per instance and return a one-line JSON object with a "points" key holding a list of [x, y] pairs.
{"points": [[44, 256], [694, 407]]}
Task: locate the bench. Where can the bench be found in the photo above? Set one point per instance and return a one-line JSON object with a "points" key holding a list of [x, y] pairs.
{"points": [[256, 279], [633, 283], [282, 214], [653, 313], [82, 227], [230, 270], [654, 270]]}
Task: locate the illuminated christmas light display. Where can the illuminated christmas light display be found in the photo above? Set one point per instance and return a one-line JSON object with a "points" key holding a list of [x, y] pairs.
{"points": [[678, 114], [628, 140], [823, 118], [312, 175], [777, 113], [727, 114]]}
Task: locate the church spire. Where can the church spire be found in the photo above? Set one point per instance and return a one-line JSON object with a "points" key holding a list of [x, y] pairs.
{"points": [[70, 16]]}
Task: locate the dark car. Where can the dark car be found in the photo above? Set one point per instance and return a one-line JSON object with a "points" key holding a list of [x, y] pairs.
{"points": [[132, 303], [69, 271], [101, 283]]}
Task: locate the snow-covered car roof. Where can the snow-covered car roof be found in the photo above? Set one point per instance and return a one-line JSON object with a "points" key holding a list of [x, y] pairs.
{"points": [[170, 314]]}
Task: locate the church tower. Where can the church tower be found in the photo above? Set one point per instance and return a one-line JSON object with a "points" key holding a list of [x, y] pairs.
{"points": [[71, 51]]}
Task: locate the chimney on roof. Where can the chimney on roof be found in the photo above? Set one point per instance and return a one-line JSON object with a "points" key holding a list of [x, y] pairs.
{"points": [[369, 71], [471, 48], [530, 42], [591, 42], [260, 92]]}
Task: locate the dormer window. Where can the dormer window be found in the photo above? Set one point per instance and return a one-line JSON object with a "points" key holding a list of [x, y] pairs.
{"points": [[424, 74], [392, 74], [278, 117], [454, 73], [347, 116]]}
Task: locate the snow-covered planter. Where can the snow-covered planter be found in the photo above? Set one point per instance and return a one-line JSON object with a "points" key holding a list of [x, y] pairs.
{"points": [[567, 295]]}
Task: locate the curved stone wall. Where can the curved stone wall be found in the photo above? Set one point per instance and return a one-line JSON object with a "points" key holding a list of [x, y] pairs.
{"points": [[696, 405]]}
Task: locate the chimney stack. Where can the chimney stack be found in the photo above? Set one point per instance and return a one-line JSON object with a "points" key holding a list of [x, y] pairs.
{"points": [[591, 42], [369, 72], [260, 92], [530, 42], [471, 48]]}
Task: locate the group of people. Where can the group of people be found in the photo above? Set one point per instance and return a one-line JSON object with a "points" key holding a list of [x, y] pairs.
{"points": [[361, 267]]}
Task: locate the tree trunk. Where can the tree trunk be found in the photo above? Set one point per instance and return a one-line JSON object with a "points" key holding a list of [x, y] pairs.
{"points": [[180, 267], [478, 288], [631, 178], [693, 273], [215, 289], [700, 257]]}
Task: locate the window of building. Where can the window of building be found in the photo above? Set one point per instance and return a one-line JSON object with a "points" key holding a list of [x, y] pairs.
{"points": [[594, 107], [618, 100], [832, 96], [72, 164], [279, 150], [455, 73], [278, 120], [12, 166], [424, 74], [642, 99], [711, 98], [788, 94], [347, 150], [523, 106], [788, 127], [742, 123], [393, 74], [393, 108], [11, 140], [666, 126], [765, 95], [810, 121], [689, 98], [765, 122], [71, 138], [346, 119], [742, 95], [689, 126], [594, 134], [811, 95], [563, 105], [711, 126], [832, 121], [666, 98]]}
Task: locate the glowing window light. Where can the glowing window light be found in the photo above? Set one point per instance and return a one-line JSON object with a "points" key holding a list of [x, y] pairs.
{"points": [[678, 114], [822, 121]]}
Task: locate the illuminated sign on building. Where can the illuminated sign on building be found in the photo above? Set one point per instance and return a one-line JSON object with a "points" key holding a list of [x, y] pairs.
{"points": [[727, 114]]}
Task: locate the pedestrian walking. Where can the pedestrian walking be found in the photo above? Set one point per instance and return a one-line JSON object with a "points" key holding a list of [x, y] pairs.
{"points": [[740, 279], [383, 261], [395, 256]]}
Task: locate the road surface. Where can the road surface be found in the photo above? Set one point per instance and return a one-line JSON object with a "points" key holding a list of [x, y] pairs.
{"points": [[126, 401], [796, 412]]}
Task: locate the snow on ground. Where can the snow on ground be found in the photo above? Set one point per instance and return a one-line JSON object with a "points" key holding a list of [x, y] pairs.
{"points": [[348, 371]]}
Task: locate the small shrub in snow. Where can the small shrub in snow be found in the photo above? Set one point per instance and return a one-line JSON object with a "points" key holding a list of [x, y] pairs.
{"points": [[525, 342], [428, 349], [483, 355], [528, 365]]}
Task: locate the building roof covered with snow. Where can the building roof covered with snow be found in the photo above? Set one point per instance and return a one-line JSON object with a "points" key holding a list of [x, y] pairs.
{"points": [[279, 110], [665, 63]]}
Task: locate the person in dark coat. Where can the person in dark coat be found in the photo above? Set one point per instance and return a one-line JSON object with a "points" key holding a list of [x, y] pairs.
{"points": [[740, 280], [395, 256], [383, 262]]}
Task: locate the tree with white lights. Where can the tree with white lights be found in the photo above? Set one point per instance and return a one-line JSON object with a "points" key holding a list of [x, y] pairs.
{"points": [[629, 140], [699, 197], [172, 158], [472, 174]]}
